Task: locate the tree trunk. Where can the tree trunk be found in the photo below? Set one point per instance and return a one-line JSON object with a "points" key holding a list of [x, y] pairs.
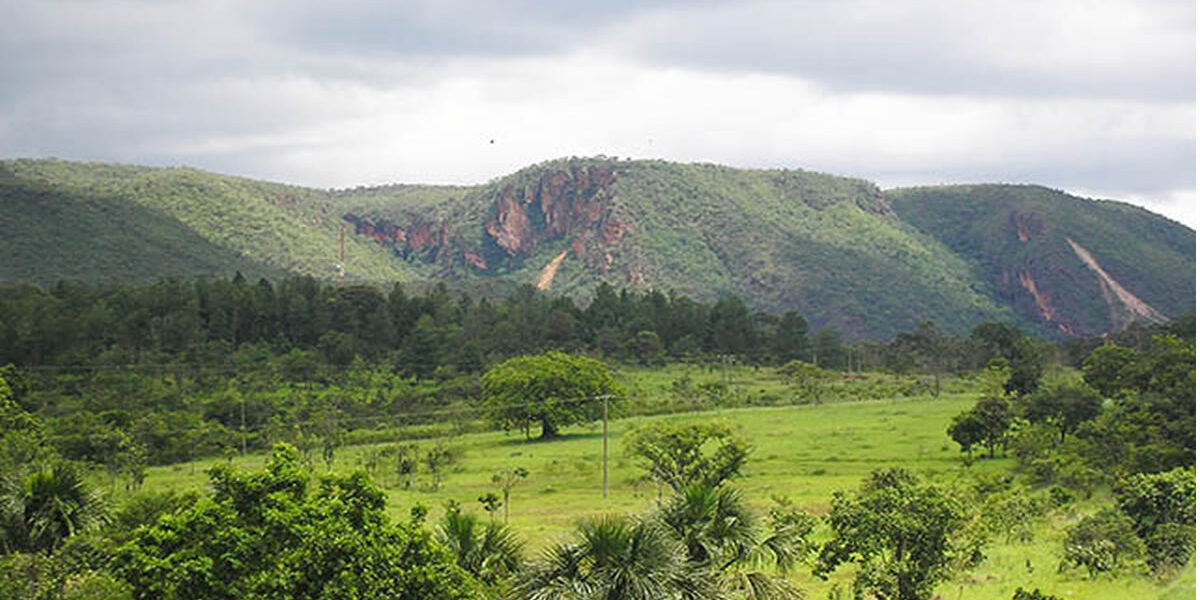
{"points": [[548, 429]]}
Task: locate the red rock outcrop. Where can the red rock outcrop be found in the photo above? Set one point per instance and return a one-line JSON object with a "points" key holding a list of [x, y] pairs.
{"points": [[573, 203]]}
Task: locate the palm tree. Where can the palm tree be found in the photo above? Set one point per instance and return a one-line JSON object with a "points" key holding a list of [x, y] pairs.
{"points": [[489, 551], [613, 558], [55, 505], [724, 540]]}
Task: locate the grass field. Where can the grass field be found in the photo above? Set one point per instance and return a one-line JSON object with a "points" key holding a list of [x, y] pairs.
{"points": [[803, 452]]}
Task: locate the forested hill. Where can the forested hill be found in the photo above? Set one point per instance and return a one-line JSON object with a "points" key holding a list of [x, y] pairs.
{"points": [[1081, 266], [839, 251]]}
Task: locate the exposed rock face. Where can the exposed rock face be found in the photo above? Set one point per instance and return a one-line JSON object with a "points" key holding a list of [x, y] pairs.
{"points": [[573, 204], [510, 227], [1028, 226]]}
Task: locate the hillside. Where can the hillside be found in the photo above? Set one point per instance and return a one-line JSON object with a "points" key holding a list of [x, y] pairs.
{"points": [[1081, 266], [828, 247], [839, 251], [116, 223]]}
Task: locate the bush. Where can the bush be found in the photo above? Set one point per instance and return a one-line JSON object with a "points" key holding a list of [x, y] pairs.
{"points": [[1170, 547], [1162, 509], [1102, 543]]}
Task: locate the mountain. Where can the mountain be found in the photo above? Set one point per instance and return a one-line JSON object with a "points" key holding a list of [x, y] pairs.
{"points": [[840, 251], [1080, 266]]}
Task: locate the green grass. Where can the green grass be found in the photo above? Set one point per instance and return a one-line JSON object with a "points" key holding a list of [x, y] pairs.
{"points": [[803, 452]]}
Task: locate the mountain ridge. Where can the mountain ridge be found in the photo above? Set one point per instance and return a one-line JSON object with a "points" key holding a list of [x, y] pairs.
{"points": [[841, 251]]}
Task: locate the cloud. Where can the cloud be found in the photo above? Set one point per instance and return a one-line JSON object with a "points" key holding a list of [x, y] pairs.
{"points": [[1095, 96], [1101, 48]]}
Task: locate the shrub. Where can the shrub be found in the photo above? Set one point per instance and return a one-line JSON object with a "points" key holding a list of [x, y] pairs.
{"points": [[1101, 543]]}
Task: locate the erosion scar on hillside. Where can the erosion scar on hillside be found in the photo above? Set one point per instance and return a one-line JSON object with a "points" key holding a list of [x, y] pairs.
{"points": [[1110, 287], [549, 271]]}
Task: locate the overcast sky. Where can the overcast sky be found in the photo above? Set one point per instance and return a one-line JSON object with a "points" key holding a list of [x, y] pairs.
{"points": [[1096, 97]]}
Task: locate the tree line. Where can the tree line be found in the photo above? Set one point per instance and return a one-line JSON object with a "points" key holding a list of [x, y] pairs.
{"points": [[124, 376]]}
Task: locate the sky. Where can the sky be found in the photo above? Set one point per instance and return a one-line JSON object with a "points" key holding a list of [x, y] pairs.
{"points": [[1095, 97]]}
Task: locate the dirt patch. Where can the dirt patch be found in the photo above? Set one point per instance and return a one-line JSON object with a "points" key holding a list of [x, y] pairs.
{"points": [[1126, 307], [549, 271], [1043, 302]]}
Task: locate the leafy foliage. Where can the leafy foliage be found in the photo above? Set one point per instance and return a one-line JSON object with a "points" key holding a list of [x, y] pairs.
{"points": [[1101, 543], [551, 390], [987, 423], [489, 551], [1163, 509], [686, 455], [905, 537], [264, 535], [611, 558]]}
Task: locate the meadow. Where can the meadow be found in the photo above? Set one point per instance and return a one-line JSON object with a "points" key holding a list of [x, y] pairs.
{"points": [[803, 452]]}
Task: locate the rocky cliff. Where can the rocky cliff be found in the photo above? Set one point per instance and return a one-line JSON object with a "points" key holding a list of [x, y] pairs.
{"points": [[571, 205]]}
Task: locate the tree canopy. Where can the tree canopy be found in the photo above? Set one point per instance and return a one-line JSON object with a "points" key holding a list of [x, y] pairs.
{"points": [[551, 390], [265, 536], [681, 455], [905, 536]]}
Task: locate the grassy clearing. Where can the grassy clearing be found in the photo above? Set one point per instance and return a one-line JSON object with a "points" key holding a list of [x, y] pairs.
{"points": [[803, 452]]}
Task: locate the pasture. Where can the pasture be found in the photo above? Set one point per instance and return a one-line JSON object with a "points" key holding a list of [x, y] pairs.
{"points": [[802, 452]]}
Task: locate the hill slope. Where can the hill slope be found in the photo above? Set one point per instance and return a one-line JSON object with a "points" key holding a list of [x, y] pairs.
{"points": [[828, 247], [835, 249], [1081, 266], [100, 222]]}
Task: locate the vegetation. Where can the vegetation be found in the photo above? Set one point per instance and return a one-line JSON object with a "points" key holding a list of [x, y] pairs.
{"points": [[906, 537], [856, 260], [116, 392], [1014, 236], [702, 455], [551, 390], [265, 536]]}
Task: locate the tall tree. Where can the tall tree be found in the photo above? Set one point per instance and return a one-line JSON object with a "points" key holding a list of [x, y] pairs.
{"points": [[551, 390]]}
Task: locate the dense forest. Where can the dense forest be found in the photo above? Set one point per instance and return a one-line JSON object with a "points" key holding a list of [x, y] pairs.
{"points": [[174, 370]]}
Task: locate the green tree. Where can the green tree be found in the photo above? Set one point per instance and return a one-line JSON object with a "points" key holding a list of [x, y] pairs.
{"points": [[905, 537], [1065, 406], [986, 423], [1106, 369], [552, 390], [1162, 507], [266, 535], [790, 341], [507, 480], [928, 348], [684, 454], [968, 430]]}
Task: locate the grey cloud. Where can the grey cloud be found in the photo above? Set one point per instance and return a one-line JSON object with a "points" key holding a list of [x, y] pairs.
{"points": [[936, 46], [1145, 168], [446, 28]]}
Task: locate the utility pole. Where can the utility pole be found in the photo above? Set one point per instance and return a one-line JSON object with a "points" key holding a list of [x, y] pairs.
{"points": [[605, 453]]}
